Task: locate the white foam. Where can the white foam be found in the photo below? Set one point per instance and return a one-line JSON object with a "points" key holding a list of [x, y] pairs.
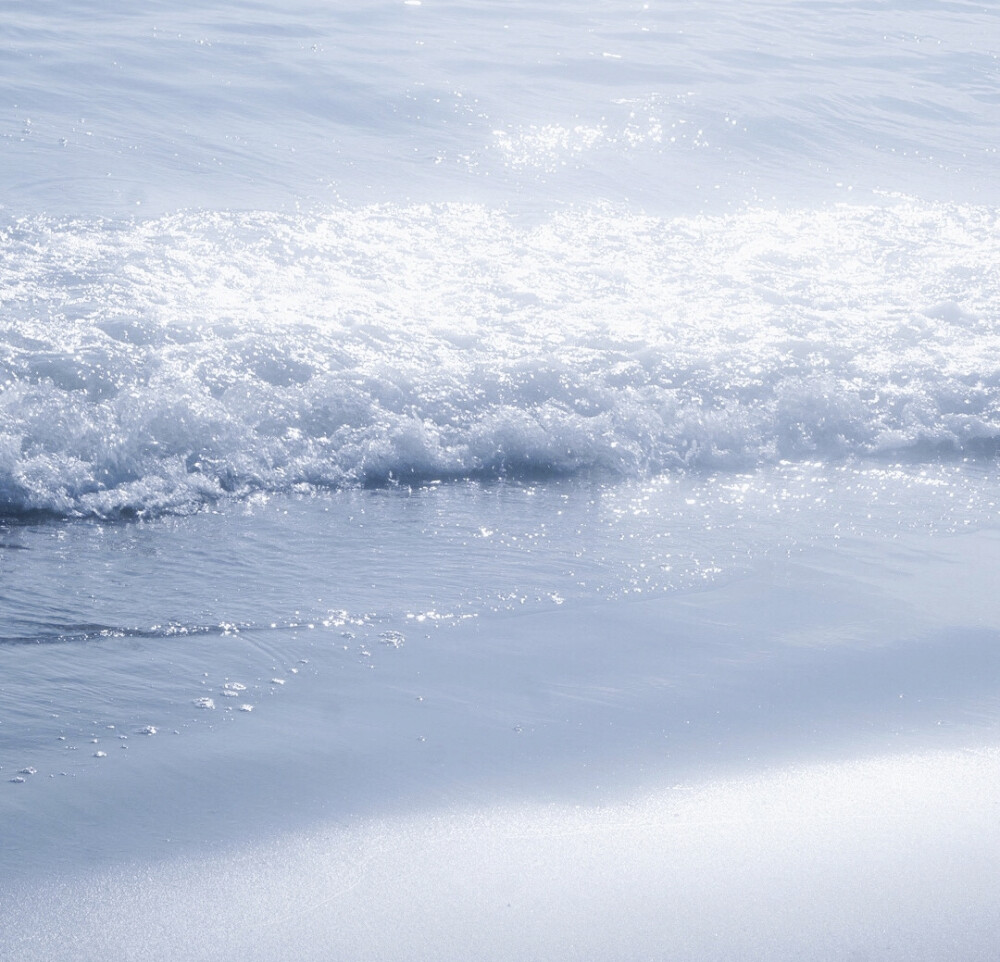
{"points": [[201, 354]]}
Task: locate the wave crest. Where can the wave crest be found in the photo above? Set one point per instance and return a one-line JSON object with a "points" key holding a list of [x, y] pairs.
{"points": [[153, 366]]}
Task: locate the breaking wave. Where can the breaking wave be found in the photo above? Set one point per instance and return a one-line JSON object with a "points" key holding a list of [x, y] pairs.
{"points": [[151, 366]]}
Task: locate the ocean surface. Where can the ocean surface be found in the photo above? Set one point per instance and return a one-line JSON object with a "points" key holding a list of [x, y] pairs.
{"points": [[432, 431]]}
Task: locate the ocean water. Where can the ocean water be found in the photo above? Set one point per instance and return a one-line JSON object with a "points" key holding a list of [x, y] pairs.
{"points": [[430, 428]]}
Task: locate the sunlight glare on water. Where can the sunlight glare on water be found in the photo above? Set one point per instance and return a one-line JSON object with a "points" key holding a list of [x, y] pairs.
{"points": [[670, 106]]}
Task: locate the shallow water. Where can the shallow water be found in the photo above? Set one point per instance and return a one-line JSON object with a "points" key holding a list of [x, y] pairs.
{"points": [[798, 735]]}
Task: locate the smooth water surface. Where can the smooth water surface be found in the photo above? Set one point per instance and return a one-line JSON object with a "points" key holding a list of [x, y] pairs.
{"points": [[109, 107]]}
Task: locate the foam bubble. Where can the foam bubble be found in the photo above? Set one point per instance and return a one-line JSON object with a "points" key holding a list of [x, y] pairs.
{"points": [[392, 638]]}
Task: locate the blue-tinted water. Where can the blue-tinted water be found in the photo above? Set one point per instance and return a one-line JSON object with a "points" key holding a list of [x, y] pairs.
{"points": [[327, 332], [664, 106]]}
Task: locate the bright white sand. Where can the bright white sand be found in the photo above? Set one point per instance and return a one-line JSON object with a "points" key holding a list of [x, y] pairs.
{"points": [[888, 858]]}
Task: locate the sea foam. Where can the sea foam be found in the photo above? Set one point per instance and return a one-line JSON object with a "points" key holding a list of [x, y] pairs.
{"points": [[154, 365]]}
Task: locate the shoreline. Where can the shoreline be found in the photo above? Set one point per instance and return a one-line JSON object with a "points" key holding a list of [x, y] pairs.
{"points": [[812, 671]]}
